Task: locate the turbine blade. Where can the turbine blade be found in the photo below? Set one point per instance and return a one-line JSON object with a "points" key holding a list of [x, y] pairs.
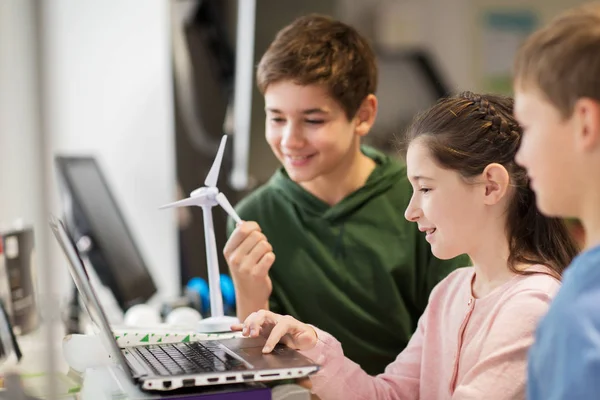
{"points": [[222, 200], [190, 201], [213, 174]]}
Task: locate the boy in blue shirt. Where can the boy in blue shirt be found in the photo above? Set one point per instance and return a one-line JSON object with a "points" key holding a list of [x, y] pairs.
{"points": [[557, 101]]}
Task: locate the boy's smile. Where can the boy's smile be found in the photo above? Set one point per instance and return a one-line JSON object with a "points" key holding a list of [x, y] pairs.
{"points": [[298, 161]]}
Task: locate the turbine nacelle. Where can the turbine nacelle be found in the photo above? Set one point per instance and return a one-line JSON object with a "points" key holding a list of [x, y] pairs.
{"points": [[205, 191], [204, 196]]}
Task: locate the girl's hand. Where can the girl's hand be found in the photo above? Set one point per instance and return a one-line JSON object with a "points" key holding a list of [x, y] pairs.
{"points": [[278, 328]]}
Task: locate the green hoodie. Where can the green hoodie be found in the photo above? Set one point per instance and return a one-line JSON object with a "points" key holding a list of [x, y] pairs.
{"points": [[358, 270]]}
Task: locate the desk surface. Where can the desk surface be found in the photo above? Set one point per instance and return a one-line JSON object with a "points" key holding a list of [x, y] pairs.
{"points": [[34, 364]]}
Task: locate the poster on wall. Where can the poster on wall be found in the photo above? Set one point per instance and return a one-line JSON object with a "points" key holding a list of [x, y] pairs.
{"points": [[503, 32]]}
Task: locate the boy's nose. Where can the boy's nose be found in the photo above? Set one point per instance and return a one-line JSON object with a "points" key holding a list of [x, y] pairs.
{"points": [[292, 137]]}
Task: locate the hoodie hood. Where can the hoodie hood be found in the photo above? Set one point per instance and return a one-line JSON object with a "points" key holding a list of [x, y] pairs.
{"points": [[387, 172]]}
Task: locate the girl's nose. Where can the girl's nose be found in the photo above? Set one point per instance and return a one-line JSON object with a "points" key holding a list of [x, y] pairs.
{"points": [[412, 212]]}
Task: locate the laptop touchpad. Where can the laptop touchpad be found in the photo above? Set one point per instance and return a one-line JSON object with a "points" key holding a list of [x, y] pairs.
{"points": [[244, 343]]}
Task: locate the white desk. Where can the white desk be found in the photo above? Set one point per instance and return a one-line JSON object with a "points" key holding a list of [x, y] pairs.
{"points": [[33, 366]]}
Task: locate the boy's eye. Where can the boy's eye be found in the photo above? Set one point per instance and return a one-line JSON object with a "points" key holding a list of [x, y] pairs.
{"points": [[277, 119], [424, 190], [314, 121]]}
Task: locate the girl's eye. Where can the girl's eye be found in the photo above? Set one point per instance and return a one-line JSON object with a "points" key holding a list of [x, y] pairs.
{"points": [[277, 120], [424, 190]]}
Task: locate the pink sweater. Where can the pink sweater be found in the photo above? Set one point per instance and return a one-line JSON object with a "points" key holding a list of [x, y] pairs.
{"points": [[464, 348]]}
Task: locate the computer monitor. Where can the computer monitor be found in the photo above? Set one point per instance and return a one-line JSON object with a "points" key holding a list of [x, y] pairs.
{"points": [[95, 222]]}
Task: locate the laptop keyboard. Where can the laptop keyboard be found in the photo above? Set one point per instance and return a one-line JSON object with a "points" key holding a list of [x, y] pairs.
{"points": [[188, 358]]}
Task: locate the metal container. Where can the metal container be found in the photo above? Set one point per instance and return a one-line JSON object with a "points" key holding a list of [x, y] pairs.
{"points": [[20, 275]]}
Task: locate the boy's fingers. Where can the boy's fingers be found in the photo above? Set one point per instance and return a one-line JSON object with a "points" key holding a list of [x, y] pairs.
{"points": [[250, 242], [253, 264], [254, 256], [264, 264], [240, 257], [241, 232], [249, 226]]}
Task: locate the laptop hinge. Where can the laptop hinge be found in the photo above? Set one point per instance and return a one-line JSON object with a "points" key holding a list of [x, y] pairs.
{"points": [[136, 365]]}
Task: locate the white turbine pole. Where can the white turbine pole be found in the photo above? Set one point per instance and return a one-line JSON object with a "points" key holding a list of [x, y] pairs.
{"points": [[214, 280]]}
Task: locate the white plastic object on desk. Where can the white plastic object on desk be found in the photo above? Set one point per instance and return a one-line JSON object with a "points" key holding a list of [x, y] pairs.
{"points": [[183, 317], [142, 315], [84, 351], [107, 383], [217, 324]]}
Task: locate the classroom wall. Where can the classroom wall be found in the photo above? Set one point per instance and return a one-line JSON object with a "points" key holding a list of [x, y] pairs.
{"points": [[89, 77], [453, 31], [108, 92]]}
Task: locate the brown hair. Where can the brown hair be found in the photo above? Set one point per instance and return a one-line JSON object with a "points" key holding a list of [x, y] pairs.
{"points": [[317, 49], [468, 132], [562, 59]]}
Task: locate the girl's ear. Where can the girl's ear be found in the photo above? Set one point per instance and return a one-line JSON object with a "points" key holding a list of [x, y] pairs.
{"points": [[365, 116], [496, 180]]}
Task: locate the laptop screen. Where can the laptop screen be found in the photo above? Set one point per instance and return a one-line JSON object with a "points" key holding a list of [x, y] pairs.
{"points": [[88, 296]]}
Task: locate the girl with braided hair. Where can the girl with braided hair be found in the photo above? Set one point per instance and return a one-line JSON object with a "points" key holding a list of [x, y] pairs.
{"points": [[469, 196]]}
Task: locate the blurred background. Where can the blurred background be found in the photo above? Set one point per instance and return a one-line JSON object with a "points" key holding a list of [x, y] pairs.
{"points": [[147, 88]]}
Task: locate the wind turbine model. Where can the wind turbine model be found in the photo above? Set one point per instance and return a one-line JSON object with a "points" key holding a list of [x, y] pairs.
{"points": [[207, 197]]}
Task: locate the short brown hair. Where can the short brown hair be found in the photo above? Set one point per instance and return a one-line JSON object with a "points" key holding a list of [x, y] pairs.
{"points": [[316, 49], [562, 59]]}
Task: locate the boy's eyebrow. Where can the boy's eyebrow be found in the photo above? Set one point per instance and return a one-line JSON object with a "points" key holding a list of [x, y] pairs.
{"points": [[305, 112], [314, 111]]}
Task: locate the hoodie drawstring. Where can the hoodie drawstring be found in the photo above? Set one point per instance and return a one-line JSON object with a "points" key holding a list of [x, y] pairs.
{"points": [[339, 251]]}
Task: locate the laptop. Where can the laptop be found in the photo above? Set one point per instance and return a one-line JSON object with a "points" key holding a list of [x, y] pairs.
{"points": [[169, 366]]}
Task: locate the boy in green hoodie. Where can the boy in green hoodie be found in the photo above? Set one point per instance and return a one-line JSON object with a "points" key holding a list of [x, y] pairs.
{"points": [[347, 259]]}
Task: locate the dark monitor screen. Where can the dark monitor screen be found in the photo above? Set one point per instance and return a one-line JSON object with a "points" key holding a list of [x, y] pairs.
{"points": [[91, 211]]}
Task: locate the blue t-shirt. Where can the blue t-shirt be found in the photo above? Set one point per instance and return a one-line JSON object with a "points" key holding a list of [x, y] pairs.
{"points": [[564, 362]]}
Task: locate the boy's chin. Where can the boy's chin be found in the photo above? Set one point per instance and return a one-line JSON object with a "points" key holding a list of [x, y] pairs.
{"points": [[300, 176]]}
